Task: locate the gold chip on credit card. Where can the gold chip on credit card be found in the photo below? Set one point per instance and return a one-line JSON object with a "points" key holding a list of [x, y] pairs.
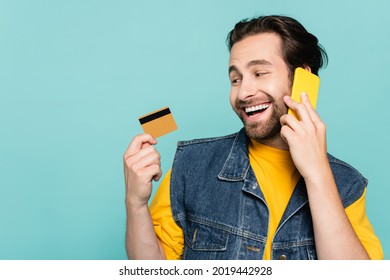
{"points": [[158, 123]]}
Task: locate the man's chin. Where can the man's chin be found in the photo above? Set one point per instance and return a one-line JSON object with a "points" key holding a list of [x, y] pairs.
{"points": [[262, 134]]}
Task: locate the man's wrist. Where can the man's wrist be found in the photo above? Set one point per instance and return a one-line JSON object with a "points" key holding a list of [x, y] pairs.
{"points": [[134, 204]]}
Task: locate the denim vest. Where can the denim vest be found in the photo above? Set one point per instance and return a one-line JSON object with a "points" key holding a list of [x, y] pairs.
{"points": [[218, 203]]}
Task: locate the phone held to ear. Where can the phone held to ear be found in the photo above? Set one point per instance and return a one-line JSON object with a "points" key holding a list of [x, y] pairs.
{"points": [[304, 81]]}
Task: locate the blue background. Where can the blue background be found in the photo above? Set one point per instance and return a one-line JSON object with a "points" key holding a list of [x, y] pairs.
{"points": [[76, 75]]}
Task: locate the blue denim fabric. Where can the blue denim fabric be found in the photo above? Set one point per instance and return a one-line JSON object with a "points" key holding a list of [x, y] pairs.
{"points": [[217, 201]]}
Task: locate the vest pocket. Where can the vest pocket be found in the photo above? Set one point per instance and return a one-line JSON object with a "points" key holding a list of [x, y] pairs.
{"points": [[304, 250], [203, 237]]}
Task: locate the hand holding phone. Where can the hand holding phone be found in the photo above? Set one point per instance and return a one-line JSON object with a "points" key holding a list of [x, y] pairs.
{"points": [[304, 81]]}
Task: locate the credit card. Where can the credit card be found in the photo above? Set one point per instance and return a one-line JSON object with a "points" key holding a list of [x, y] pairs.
{"points": [[158, 123]]}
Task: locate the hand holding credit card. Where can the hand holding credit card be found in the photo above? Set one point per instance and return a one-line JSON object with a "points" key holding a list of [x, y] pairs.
{"points": [[304, 81], [158, 123]]}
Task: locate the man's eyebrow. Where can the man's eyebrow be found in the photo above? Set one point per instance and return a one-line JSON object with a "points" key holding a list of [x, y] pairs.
{"points": [[258, 62], [233, 69], [250, 64]]}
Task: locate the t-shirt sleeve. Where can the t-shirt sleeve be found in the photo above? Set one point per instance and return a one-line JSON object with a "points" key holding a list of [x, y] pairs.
{"points": [[167, 231], [356, 213]]}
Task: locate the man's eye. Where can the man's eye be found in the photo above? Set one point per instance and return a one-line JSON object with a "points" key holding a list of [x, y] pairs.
{"points": [[235, 81], [259, 74]]}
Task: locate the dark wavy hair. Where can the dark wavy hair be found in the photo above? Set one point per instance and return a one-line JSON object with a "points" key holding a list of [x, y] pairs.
{"points": [[299, 47]]}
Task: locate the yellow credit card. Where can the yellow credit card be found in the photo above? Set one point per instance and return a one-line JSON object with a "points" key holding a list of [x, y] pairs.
{"points": [[304, 81], [158, 123]]}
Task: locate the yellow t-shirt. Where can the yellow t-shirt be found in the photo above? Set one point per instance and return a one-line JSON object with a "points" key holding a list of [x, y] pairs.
{"points": [[277, 177]]}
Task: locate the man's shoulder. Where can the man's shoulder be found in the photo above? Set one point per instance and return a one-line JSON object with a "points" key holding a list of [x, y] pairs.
{"points": [[343, 167], [211, 149], [350, 182], [208, 140]]}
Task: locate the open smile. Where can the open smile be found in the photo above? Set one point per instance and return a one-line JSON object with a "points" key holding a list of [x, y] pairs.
{"points": [[256, 110]]}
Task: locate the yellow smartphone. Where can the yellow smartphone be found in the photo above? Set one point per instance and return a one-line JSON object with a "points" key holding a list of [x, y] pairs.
{"points": [[304, 81]]}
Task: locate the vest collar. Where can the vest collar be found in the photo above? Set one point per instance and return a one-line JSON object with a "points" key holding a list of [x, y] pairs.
{"points": [[237, 163]]}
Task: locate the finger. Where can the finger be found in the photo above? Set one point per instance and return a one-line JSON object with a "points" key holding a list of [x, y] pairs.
{"points": [[290, 121], [144, 145], [299, 108], [286, 133], [147, 175], [312, 112], [138, 143], [143, 171], [153, 172], [145, 157], [158, 175]]}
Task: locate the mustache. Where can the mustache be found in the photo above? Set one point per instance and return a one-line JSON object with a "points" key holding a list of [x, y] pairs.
{"points": [[248, 102]]}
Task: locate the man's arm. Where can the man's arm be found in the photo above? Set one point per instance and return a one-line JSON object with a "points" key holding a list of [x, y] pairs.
{"points": [[141, 164], [334, 235]]}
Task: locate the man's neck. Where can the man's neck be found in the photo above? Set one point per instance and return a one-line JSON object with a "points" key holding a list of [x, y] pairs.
{"points": [[276, 142]]}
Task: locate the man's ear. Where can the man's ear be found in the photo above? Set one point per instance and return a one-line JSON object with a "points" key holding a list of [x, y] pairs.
{"points": [[306, 67]]}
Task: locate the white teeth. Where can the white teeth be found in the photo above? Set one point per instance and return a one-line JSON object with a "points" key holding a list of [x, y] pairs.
{"points": [[256, 108]]}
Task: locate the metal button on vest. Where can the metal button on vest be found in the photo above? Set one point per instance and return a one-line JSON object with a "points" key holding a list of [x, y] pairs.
{"points": [[282, 257]]}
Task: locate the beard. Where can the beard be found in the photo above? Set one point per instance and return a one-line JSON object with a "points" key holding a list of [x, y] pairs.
{"points": [[266, 129]]}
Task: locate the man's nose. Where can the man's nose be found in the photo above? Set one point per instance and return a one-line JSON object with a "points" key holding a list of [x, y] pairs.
{"points": [[247, 89]]}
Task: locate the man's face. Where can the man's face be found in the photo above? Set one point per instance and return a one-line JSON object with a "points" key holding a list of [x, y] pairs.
{"points": [[259, 79]]}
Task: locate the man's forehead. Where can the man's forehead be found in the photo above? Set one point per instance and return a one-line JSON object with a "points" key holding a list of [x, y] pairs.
{"points": [[259, 49]]}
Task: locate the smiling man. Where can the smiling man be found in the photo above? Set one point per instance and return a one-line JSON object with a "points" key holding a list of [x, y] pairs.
{"points": [[259, 84], [270, 191]]}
